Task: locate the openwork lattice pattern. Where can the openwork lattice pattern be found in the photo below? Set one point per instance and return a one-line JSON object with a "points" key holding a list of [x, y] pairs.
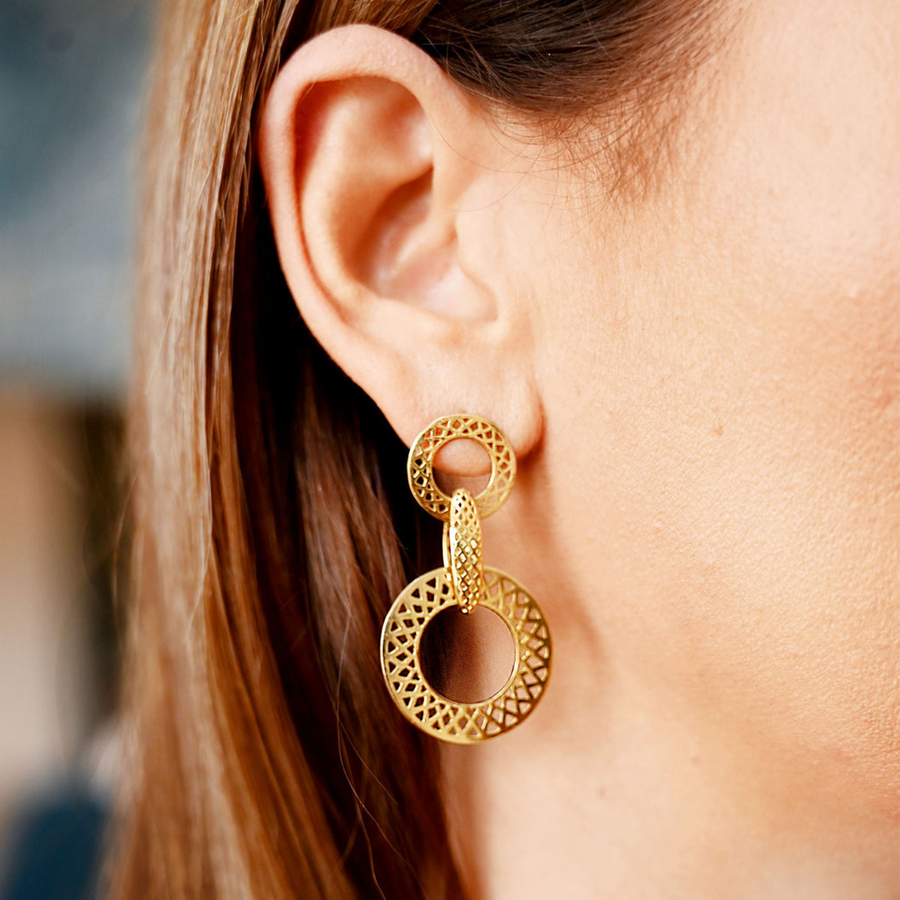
{"points": [[464, 723], [450, 428], [465, 550]]}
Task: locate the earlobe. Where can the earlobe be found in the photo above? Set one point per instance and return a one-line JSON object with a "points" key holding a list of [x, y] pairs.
{"points": [[370, 154]]}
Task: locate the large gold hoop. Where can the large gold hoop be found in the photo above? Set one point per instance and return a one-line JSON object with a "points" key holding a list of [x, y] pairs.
{"points": [[420, 466], [464, 723]]}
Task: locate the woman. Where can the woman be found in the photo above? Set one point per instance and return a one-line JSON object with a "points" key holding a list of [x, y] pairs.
{"points": [[655, 243]]}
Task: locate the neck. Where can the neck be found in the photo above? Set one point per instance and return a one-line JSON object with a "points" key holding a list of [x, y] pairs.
{"points": [[609, 792], [635, 778]]}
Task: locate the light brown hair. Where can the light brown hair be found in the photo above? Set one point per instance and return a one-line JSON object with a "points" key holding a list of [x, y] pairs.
{"points": [[273, 525]]}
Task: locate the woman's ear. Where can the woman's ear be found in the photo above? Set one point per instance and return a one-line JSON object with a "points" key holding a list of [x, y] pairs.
{"points": [[385, 182]]}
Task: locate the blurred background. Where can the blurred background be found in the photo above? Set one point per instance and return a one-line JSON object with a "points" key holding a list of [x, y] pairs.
{"points": [[72, 82]]}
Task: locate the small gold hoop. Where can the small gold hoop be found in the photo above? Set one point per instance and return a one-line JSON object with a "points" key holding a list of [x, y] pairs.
{"points": [[464, 723], [420, 466]]}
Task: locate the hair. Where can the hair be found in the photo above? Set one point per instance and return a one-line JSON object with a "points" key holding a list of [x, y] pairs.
{"points": [[272, 522]]}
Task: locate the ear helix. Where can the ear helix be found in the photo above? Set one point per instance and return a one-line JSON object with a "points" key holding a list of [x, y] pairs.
{"points": [[466, 582]]}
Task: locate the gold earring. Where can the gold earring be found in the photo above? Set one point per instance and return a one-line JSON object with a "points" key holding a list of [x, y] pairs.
{"points": [[464, 580]]}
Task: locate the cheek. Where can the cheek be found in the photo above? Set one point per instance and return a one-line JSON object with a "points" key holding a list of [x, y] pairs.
{"points": [[788, 501], [771, 516], [739, 459], [799, 168], [722, 393]]}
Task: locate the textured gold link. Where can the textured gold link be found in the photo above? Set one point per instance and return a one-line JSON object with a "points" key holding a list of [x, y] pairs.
{"points": [[466, 547]]}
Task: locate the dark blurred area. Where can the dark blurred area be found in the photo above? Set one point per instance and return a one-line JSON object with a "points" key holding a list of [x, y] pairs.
{"points": [[72, 81]]}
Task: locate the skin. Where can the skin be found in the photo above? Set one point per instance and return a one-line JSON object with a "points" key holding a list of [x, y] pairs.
{"points": [[700, 381]]}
